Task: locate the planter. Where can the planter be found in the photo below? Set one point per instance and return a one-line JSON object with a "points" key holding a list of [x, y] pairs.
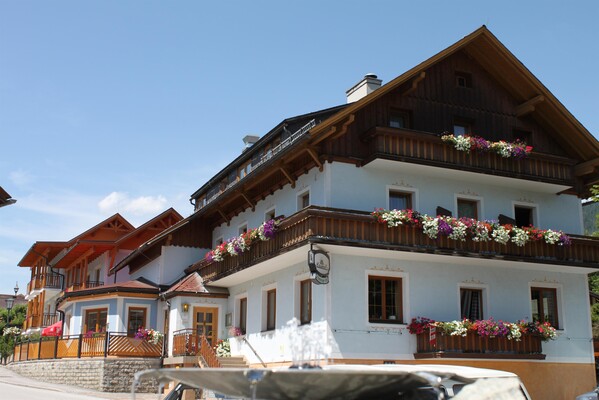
{"points": [[475, 346]]}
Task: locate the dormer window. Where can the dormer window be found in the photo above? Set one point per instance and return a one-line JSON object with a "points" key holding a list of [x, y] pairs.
{"points": [[463, 79]]}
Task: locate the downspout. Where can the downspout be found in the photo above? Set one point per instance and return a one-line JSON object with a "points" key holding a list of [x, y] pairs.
{"points": [[62, 317]]}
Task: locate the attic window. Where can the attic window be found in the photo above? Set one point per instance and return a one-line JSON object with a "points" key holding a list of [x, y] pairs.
{"points": [[399, 119], [524, 136], [463, 79], [461, 127]]}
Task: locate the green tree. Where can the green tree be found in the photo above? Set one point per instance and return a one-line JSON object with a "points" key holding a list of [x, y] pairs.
{"points": [[17, 316], [594, 277]]}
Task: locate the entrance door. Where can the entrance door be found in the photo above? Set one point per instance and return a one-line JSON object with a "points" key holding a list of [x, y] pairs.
{"points": [[205, 321]]}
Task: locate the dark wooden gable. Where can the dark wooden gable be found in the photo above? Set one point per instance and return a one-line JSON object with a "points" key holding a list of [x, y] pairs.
{"points": [[438, 101]]}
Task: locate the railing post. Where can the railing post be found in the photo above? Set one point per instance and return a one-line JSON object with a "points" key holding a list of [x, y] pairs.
{"points": [[106, 344], [56, 347], [39, 349], [79, 345]]}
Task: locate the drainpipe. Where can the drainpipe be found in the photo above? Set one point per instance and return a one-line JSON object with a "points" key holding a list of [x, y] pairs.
{"points": [[61, 319]]}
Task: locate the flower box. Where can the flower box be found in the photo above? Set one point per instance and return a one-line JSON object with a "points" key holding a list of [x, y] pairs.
{"points": [[475, 346]]}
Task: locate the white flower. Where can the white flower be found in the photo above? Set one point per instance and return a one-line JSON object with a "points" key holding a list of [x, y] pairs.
{"points": [[459, 231], [430, 226], [501, 235], [520, 236], [462, 143], [551, 237]]}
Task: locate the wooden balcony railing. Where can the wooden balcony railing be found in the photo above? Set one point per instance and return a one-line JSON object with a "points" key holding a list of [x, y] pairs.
{"points": [[425, 148], [116, 344], [187, 342], [357, 228], [475, 346]]}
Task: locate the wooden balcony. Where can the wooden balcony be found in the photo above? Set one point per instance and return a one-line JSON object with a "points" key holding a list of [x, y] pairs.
{"points": [[475, 346], [425, 148], [115, 344], [359, 229]]}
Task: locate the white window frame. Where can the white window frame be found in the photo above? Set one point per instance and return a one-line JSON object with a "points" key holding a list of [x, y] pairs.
{"points": [[297, 295], [533, 206], [405, 302], [479, 204], [220, 239], [85, 309], [404, 189], [144, 306], [271, 210], [264, 308], [299, 196], [487, 312], [241, 226], [237, 310], [561, 321]]}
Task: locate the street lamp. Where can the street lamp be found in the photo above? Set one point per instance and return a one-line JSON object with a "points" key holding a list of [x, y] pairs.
{"points": [[10, 302]]}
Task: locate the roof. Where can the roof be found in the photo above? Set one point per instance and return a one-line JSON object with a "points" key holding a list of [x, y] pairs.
{"points": [[493, 56], [292, 123], [194, 284], [135, 286], [5, 198]]}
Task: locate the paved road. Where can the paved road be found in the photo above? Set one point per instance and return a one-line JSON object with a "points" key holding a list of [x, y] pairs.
{"points": [[17, 387]]}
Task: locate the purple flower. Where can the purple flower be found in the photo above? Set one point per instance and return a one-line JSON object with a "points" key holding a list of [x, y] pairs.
{"points": [[445, 228], [269, 229], [564, 240]]}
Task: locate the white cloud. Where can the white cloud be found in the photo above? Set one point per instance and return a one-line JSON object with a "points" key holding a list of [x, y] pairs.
{"points": [[142, 205], [20, 177]]}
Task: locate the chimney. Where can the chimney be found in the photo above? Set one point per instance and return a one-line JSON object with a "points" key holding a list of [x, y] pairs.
{"points": [[249, 141], [369, 84]]}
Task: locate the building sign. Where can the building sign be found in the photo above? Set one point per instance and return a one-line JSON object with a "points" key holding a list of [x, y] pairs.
{"points": [[320, 265], [433, 336]]}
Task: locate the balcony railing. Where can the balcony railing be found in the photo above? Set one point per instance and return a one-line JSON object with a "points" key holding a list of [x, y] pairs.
{"points": [[356, 228], [50, 318], [116, 344], [187, 342], [45, 281], [475, 346], [425, 148], [86, 285]]}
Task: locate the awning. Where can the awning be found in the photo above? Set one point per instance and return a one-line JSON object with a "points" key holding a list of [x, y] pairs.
{"points": [[53, 330]]}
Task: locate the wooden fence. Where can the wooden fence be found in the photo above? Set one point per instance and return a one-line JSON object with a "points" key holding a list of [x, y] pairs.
{"points": [[109, 344]]}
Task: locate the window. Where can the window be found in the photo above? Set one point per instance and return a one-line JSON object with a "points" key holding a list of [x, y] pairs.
{"points": [[543, 302], [305, 301], [243, 228], [135, 320], [269, 215], [523, 216], [399, 200], [271, 309], [303, 200], [399, 119], [385, 299], [95, 320], [523, 136], [463, 79], [471, 303], [462, 126], [467, 208], [243, 314]]}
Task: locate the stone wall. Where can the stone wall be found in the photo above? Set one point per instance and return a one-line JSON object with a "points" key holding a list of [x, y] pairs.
{"points": [[103, 374]]}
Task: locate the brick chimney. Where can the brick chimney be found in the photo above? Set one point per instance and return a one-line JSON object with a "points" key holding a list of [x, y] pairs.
{"points": [[369, 84]]}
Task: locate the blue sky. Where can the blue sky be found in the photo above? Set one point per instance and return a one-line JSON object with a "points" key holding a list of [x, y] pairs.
{"points": [[130, 106]]}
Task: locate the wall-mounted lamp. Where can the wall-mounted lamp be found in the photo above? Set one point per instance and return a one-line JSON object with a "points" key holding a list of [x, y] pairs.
{"points": [[185, 307]]}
